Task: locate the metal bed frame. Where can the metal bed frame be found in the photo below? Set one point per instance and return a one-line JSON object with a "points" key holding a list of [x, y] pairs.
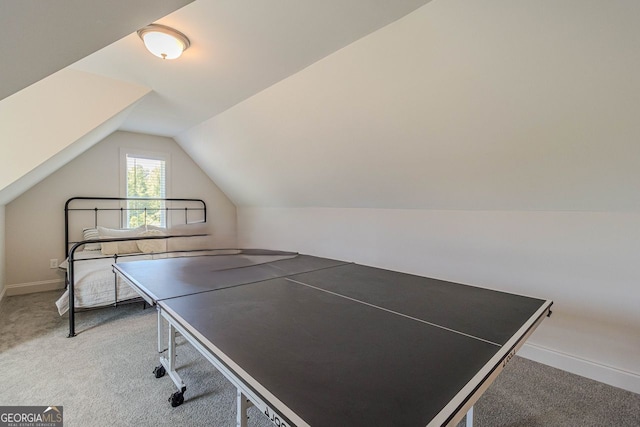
{"points": [[70, 247]]}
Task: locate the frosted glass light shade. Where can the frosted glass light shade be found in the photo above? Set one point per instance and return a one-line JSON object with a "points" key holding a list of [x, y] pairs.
{"points": [[164, 42]]}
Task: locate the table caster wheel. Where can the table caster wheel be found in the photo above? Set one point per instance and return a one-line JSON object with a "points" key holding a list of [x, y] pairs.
{"points": [[159, 371], [177, 399]]}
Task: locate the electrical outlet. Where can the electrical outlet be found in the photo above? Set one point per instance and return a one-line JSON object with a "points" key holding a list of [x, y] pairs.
{"points": [[53, 263]]}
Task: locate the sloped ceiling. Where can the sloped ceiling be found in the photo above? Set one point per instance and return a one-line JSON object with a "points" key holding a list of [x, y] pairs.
{"points": [[50, 114], [486, 105], [406, 104], [49, 123], [42, 37], [238, 49]]}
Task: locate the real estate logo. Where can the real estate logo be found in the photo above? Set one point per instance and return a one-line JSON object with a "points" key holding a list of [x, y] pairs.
{"points": [[31, 416]]}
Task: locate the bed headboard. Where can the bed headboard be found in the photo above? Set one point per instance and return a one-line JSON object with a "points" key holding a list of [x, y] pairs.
{"points": [[113, 211]]}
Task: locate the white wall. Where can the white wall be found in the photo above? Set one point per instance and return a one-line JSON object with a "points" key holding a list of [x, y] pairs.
{"points": [[488, 142], [586, 262], [35, 220]]}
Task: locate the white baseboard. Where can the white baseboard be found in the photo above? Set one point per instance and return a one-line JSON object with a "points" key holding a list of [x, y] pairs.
{"points": [[586, 368], [2, 292], [29, 288]]}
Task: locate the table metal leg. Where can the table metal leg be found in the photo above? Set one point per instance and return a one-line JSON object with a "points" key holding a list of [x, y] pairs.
{"points": [[469, 418], [161, 347], [169, 364], [243, 404]]}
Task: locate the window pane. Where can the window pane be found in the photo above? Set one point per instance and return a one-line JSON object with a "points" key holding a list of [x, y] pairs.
{"points": [[145, 179]]}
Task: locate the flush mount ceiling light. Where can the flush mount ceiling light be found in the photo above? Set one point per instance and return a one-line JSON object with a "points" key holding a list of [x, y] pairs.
{"points": [[164, 42]]}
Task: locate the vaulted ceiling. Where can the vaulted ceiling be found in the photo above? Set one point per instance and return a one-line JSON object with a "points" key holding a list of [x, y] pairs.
{"points": [[449, 104], [238, 49], [42, 37]]}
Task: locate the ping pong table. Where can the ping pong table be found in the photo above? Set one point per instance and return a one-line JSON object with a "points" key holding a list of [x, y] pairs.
{"points": [[317, 341]]}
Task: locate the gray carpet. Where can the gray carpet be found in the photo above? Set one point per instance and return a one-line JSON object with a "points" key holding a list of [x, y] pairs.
{"points": [[103, 377]]}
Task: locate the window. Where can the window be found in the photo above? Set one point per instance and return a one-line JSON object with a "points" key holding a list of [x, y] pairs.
{"points": [[145, 178]]}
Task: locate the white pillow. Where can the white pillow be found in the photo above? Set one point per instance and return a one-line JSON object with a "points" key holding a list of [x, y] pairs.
{"points": [[125, 247], [155, 245], [189, 243], [91, 234]]}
